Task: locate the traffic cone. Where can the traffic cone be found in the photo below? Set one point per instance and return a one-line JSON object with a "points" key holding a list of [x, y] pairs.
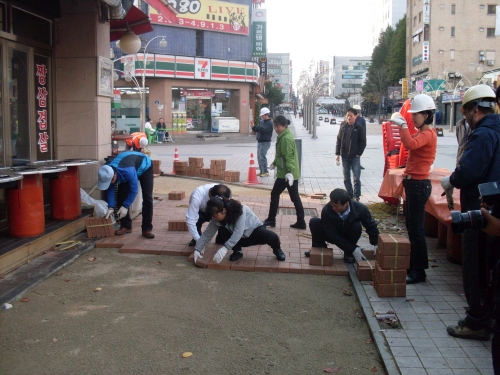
{"points": [[252, 173], [176, 158]]}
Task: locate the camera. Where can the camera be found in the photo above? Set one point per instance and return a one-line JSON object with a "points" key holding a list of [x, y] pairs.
{"points": [[490, 194]]}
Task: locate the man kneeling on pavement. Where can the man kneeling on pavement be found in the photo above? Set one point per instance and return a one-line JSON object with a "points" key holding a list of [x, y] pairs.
{"points": [[340, 224]]}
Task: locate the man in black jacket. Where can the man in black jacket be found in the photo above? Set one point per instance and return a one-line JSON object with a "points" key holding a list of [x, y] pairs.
{"points": [[340, 225], [351, 142], [264, 134]]}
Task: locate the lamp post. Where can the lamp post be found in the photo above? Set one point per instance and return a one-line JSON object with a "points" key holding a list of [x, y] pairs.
{"points": [[163, 44]]}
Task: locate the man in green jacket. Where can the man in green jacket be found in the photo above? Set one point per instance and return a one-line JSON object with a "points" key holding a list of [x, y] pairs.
{"points": [[287, 174]]}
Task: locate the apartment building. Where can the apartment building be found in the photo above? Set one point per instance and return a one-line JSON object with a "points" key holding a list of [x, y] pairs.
{"points": [[386, 13], [349, 73], [279, 70]]}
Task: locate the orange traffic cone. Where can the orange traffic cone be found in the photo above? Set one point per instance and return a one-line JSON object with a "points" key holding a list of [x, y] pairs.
{"points": [[176, 158], [252, 173]]}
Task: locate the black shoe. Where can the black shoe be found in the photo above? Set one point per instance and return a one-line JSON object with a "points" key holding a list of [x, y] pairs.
{"points": [[361, 167], [270, 223], [279, 254], [415, 276], [299, 225], [307, 254], [237, 254], [349, 259], [192, 243], [219, 240]]}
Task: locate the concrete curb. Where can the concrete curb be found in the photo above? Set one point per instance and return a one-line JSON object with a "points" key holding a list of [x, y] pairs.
{"points": [[379, 339]]}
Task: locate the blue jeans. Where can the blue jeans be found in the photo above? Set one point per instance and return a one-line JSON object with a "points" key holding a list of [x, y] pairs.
{"points": [[262, 148], [417, 193], [353, 163]]}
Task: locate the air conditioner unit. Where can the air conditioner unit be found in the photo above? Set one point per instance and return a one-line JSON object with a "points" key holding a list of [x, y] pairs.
{"points": [[490, 62], [482, 58]]}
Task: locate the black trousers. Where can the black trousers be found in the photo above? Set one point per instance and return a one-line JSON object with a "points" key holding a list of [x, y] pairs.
{"points": [[203, 217], [495, 342], [351, 233], [259, 236], [417, 193], [279, 187], [146, 180]]}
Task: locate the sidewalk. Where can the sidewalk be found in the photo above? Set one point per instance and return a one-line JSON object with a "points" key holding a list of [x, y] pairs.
{"points": [[421, 345]]}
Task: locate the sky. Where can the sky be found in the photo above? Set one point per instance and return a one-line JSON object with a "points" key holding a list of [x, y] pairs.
{"points": [[318, 29]]}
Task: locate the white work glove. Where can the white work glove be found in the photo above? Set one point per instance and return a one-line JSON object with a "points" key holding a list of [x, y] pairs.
{"points": [[122, 212], [289, 178], [219, 255], [449, 198], [272, 167], [375, 248], [358, 255], [197, 255], [398, 120], [445, 183], [109, 213]]}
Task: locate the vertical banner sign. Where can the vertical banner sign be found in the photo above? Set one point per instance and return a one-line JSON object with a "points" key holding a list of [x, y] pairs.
{"points": [[263, 66], [259, 32], [405, 88], [425, 52], [117, 99], [42, 107]]}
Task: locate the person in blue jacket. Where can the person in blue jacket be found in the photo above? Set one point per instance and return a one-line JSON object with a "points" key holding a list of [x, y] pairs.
{"points": [[127, 170], [479, 164]]}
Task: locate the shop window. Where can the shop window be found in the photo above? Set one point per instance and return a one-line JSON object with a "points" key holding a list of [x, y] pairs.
{"points": [[30, 26], [490, 32], [199, 43], [3, 23]]}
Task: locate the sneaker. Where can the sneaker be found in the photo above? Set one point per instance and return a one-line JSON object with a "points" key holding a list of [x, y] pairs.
{"points": [[269, 223], [122, 231], [192, 243], [349, 259], [266, 174], [238, 254], [299, 225], [461, 331], [416, 276], [279, 254]]}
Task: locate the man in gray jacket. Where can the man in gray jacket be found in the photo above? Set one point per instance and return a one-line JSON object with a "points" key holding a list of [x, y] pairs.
{"points": [[264, 134]]}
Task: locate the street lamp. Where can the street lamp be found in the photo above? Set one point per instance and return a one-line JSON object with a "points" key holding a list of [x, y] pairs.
{"points": [[163, 44]]}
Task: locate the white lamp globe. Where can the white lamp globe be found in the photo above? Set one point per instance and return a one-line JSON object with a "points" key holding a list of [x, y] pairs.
{"points": [[130, 43]]}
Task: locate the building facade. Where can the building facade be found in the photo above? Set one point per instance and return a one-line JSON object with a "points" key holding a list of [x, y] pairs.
{"points": [[386, 13], [450, 44], [349, 73], [201, 74], [279, 68]]}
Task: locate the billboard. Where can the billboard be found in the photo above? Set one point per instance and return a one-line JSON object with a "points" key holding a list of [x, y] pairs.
{"points": [[259, 32], [213, 15]]}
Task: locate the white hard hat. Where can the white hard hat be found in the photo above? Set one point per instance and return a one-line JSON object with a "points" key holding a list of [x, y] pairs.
{"points": [[104, 177], [356, 106], [422, 102], [479, 92], [264, 111], [143, 142]]}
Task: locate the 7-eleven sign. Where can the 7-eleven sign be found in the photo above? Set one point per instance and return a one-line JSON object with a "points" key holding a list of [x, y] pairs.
{"points": [[202, 68]]}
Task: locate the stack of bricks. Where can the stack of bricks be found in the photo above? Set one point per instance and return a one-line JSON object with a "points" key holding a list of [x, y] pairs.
{"points": [[181, 167], [177, 225], [217, 168], [176, 195], [195, 166], [393, 259], [156, 167], [205, 173], [231, 176], [319, 256]]}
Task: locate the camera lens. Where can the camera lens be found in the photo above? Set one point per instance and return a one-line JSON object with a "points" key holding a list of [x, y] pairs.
{"points": [[467, 220]]}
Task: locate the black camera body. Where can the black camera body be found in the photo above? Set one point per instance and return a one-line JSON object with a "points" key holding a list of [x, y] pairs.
{"points": [[490, 194]]}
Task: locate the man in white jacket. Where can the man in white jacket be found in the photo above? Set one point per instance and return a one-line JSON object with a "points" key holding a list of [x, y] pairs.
{"points": [[195, 215]]}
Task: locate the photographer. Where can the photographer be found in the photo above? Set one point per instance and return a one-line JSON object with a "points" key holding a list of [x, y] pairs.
{"points": [[479, 164]]}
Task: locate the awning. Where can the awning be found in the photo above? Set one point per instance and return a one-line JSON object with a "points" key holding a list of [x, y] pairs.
{"points": [[138, 22]]}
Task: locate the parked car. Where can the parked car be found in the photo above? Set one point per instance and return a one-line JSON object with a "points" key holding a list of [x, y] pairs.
{"points": [[333, 121], [322, 111]]}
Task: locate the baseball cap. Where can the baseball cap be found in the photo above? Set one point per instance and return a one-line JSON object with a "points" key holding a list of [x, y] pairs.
{"points": [[104, 177]]}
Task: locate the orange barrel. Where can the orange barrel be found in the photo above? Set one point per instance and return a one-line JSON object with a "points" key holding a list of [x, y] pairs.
{"points": [[65, 199], [25, 207]]}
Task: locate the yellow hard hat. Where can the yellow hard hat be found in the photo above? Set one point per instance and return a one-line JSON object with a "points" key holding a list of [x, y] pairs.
{"points": [[479, 92]]}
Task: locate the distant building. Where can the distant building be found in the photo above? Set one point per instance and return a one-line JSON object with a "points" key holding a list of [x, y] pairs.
{"points": [[387, 13], [279, 69], [349, 73]]}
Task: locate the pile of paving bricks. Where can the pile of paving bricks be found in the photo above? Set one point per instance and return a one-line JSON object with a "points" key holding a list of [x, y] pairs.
{"points": [[217, 169], [195, 166], [320, 256], [393, 259], [181, 167]]}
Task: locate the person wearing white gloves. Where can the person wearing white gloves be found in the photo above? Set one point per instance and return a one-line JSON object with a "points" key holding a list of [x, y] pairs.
{"points": [[128, 169], [287, 167], [351, 143], [239, 226], [480, 163], [416, 179], [341, 225], [196, 214]]}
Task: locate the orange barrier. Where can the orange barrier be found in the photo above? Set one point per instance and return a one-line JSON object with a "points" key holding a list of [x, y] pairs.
{"points": [[176, 158], [252, 173]]}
